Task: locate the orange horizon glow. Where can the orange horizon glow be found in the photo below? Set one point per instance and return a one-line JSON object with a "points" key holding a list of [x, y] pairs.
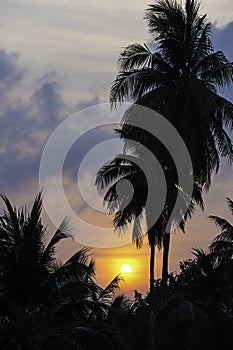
{"points": [[200, 231]]}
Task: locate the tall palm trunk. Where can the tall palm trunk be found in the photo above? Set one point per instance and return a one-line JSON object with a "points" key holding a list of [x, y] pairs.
{"points": [[172, 193], [166, 246], [151, 236], [152, 267]]}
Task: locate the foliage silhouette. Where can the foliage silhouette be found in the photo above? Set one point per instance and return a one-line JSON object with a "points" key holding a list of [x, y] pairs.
{"points": [[177, 74], [197, 312], [43, 303]]}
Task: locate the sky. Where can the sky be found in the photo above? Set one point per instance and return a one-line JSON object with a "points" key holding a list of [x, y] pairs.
{"points": [[58, 58]]}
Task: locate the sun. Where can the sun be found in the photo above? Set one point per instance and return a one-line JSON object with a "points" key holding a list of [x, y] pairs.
{"points": [[126, 268]]}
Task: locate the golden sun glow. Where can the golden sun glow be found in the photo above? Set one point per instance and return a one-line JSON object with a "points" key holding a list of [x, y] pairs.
{"points": [[126, 268]]}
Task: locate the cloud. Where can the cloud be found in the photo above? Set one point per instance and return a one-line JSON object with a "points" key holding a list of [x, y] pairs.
{"points": [[222, 39], [26, 123], [80, 40], [8, 70], [47, 102], [10, 75], [95, 100]]}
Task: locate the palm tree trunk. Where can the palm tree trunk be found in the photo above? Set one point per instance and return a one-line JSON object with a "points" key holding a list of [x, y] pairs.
{"points": [[152, 267], [171, 200], [166, 246], [151, 296]]}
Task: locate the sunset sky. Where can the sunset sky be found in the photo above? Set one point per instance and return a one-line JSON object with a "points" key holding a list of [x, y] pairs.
{"points": [[58, 57]]}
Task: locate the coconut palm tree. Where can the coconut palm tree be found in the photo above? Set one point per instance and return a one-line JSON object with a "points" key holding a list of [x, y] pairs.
{"points": [[222, 244], [178, 74], [110, 175], [226, 233], [45, 304]]}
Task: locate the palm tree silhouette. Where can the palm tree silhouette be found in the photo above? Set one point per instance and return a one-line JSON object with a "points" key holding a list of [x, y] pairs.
{"points": [[45, 304], [110, 175], [222, 245], [178, 74]]}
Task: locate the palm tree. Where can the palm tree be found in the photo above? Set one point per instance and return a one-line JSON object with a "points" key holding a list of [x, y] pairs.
{"points": [[110, 175], [45, 304], [222, 244], [178, 75]]}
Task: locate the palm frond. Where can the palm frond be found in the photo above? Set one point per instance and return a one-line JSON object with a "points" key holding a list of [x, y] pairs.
{"points": [[216, 69], [198, 195], [64, 231], [135, 56], [221, 247], [10, 222], [134, 84], [114, 170], [203, 45], [33, 219], [223, 224], [230, 204], [199, 253], [81, 257], [137, 233], [107, 294], [120, 304]]}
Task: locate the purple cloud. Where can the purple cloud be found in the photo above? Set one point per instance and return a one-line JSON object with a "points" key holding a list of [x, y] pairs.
{"points": [[26, 123]]}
